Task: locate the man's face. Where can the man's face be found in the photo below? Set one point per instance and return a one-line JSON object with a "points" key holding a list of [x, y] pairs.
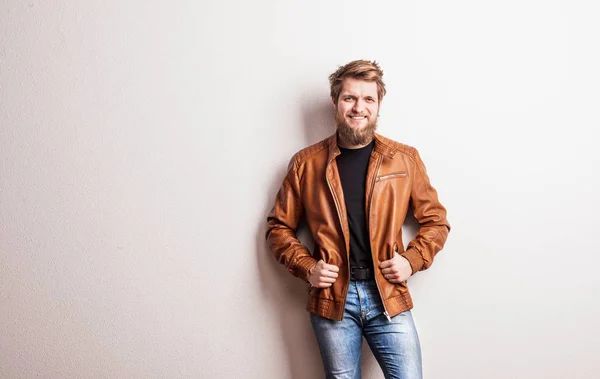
{"points": [[356, 113]]}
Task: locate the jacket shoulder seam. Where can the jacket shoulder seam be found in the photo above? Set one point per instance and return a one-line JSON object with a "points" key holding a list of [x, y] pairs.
{"points": [[304, 154], [407, 150]]}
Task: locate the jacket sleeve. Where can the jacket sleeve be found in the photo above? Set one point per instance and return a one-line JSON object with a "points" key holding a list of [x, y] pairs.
{"points": [[430, 214], [282, 223]]}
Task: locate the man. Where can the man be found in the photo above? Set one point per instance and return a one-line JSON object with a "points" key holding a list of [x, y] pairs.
{"points": [[354, 190]]}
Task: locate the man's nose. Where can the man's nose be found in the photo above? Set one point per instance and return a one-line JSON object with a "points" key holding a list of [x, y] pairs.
{"points": [[359, 105]]}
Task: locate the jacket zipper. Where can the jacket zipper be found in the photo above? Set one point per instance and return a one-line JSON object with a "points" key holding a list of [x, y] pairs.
{"points": [[337, 208], [385, 312], [399, 175]]}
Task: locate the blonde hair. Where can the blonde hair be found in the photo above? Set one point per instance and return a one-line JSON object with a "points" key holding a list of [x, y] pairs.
{"points": [[359, 69]]}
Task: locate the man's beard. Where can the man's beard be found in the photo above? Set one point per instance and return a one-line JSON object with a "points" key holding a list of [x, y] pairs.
{"points": [[354, 136]]}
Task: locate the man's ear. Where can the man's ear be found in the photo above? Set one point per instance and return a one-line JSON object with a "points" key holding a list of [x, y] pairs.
{"points": [[334, 103]]}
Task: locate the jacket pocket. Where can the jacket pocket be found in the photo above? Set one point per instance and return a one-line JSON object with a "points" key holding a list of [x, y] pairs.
{"points": [[401, 174]]}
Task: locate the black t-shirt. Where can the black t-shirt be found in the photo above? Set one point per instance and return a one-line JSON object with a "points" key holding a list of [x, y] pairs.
{"points": [[352, 166]]}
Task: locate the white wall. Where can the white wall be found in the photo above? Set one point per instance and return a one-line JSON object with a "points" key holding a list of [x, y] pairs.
{"points": [[142, 144]]}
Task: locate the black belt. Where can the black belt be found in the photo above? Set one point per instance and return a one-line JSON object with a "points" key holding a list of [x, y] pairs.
{"points": [[361, 273]]}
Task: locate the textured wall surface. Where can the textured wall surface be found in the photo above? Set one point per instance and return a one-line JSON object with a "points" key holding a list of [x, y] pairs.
{"points": [[142, 144]]}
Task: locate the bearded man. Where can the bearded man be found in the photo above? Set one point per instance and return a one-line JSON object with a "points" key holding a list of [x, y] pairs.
{"points": [[354, 190]]}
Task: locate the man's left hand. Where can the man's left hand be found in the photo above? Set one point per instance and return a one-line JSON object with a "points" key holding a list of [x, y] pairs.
{"points": [[397, 269]]}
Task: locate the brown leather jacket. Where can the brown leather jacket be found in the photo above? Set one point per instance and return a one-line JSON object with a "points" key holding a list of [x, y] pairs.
{"points": [[396, 179]]}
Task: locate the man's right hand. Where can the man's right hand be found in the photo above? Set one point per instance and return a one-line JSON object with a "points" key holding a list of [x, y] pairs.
{"points": [[323, 275]]}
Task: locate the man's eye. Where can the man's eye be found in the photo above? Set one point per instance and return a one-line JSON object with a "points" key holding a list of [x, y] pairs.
{"points": [[370, 100], [347, 98]]}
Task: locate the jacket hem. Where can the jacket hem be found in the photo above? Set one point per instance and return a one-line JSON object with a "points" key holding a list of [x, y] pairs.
{"points": [[332, 310]]}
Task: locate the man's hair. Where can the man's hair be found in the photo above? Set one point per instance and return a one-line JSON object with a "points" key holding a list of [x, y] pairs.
{"points": [[359, 69]]}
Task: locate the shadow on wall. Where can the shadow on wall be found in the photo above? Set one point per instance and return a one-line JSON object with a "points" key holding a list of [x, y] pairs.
{"points": [[318, 119], [287, 293]]}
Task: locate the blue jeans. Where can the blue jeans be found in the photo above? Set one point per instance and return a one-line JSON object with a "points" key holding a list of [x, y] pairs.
{"points": [[395, 343]]}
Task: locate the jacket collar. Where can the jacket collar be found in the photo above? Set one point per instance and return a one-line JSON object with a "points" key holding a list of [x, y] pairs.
{"points": [[381, 146]]}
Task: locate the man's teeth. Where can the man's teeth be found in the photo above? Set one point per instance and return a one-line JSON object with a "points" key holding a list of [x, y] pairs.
{"points": [[358, 117]]}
